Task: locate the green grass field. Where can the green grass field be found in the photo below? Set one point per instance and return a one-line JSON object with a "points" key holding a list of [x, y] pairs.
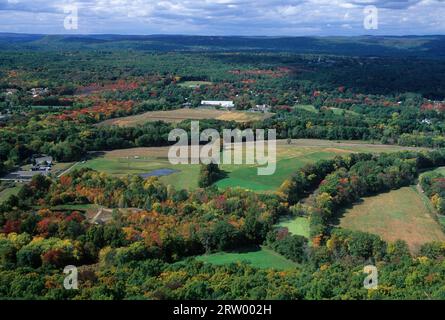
{"points": [[6, 193], [297, 226], [247, 177], [306, 107], [399, 214], [185, 178], [263, 259], [441, 170], [341, 112], [290, 158]]}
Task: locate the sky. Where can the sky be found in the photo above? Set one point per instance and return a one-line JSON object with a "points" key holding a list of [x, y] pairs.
{"points": [[225, 17]]}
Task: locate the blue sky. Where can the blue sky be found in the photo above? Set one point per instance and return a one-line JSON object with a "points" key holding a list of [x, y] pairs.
{"points": [[224, 17]]}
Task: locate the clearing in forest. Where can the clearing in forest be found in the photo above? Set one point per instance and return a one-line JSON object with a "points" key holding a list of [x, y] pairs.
{"points": [[298, 226], [263, 258], [176, 116], [399, 214], [292, 157]]}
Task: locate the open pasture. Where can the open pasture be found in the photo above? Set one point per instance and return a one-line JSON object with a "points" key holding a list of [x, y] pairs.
{"points": [[290, 157], [306, 107], [399, 214], [142, 161], [262, 258], [298, 226], [8, 191], [176, 116]]}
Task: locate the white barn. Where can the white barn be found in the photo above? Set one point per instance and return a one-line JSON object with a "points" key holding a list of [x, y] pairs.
{"points": [[224, 104]]}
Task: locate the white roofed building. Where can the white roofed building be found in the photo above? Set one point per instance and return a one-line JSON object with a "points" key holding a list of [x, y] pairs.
{"points": [[224, 104]]}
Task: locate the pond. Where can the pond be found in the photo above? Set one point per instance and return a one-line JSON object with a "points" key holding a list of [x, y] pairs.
{"points": [[158, 173]]}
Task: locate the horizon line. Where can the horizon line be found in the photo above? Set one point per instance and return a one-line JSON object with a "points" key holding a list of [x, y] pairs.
{"points": [[222, 36]]}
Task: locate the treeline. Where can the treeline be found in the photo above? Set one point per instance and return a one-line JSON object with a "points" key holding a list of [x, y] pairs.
{"points": [[423, 140], [308, 178], [68, 142], [331, 271], [209, 174], [433, 184], [406, 126]]}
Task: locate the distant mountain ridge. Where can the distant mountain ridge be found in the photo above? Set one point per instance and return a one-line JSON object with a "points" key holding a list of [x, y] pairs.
{"points": [[422, 46]]}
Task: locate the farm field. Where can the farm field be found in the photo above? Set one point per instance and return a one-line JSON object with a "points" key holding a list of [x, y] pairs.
{"points": [[290, 158], [6, 193], [176, 116], [140, 161], [263, 258], [399, 214], [341, 112], [306, 107], [297, 226], [440, 170]]}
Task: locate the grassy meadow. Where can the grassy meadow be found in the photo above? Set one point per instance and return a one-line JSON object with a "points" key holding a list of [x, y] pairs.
{"points": [[142, 161], [399, 214], [440, 170], [179, 115], [298, 226], [261, 258], [306, 107], [9, 191], [290, 158]]}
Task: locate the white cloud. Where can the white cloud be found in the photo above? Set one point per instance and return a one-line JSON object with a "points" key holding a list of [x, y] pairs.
{"points": [[243, 17]]}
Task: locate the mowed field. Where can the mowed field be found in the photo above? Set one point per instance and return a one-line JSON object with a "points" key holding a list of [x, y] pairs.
{"points": [[176, 116], [290, 157], [306, 107], [263, 258], [298, 226], [6, 193], [399, 214], [139, 161], [440, 170]]}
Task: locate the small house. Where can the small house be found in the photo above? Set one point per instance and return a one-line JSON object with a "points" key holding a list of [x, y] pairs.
{"points": [[43, 161]]}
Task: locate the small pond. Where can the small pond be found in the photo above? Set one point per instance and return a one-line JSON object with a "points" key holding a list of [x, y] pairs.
{"points": [[158, 173]]}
